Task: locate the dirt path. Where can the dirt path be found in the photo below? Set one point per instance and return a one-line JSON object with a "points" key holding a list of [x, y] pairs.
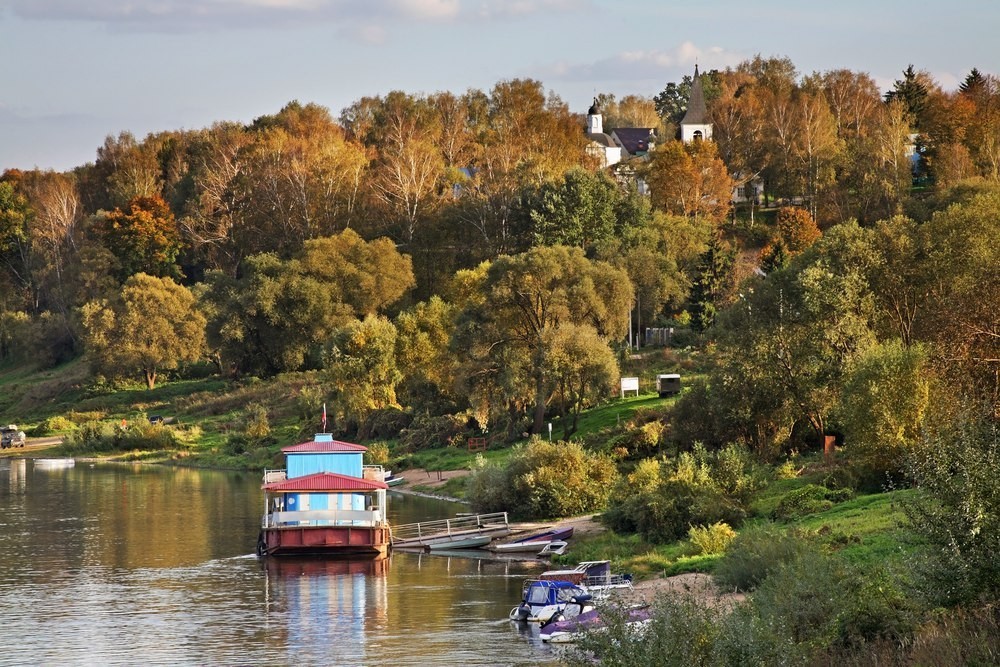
{"points": [[32, 446]]}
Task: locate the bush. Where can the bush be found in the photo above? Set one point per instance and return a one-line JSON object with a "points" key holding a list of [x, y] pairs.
{"points": [[755, 553], [695, 488], [809, 499], [377, 454], [544, 480], [52, 425], [427, 432], [713, 539], [95, 437]]}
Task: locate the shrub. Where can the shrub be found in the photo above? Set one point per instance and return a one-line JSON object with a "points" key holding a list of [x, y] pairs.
{"points": [[426, 432], [713, 539], [377, 454], [695, 488], [755, 553], [809, 499], [544, 480]]}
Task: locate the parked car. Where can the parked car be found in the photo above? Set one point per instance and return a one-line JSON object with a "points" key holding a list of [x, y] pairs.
{"points": [[11, 436]]}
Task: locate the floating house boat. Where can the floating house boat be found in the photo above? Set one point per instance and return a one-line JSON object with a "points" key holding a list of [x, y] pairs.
{"points": [[326, 502]]}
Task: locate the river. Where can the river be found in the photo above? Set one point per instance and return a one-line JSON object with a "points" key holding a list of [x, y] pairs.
{"points": [[113, 564]]}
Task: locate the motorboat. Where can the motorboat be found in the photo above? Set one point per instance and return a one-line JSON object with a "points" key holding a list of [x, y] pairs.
{"points": [[542, 599]]}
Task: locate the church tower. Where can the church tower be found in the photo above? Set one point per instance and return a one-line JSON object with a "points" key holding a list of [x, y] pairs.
{"points": [[695, 125]]}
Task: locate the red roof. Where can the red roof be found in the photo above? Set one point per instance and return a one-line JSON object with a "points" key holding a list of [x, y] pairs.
{"points": [[314, 446], [325, 482]]}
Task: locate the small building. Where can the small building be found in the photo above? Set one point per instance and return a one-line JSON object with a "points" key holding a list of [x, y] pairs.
{"points": [[668, 384]]}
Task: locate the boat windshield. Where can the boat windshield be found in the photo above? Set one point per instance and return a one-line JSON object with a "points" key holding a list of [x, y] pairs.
{"points": [[567, 594]]}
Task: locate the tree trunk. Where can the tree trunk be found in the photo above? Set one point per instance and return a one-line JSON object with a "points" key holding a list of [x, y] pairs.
{"points": [[150, 378]]}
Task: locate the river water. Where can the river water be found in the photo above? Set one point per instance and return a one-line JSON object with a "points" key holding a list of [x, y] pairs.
{"points": [[111, 564]]}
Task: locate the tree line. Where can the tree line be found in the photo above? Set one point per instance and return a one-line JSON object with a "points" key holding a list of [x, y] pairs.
{"points": [[466, 252]]}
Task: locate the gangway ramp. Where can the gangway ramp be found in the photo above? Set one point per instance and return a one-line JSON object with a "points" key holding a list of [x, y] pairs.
{"points": [[423, 534]]}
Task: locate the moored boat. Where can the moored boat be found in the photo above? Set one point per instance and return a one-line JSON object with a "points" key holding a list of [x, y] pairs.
{"points": [[473, 542], [324, 503], [534, 543], [542, 599]]}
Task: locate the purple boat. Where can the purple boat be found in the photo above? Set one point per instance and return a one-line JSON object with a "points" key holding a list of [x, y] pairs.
{"points": [[565, 626]]}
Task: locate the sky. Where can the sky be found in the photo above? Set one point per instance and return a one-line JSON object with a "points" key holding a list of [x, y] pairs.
{"points": [[76, 71]]}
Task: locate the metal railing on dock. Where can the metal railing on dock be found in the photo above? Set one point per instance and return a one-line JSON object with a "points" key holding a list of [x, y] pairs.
{"points": [[425, 533]]}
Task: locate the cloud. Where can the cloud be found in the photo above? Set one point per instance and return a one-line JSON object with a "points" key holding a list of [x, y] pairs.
{"points": [[175, 15], [644, 65], [192, 15]]}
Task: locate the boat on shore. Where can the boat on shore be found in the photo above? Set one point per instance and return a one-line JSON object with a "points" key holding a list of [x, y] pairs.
{"points": [[394, 481], [326, 502], [534, 543]]}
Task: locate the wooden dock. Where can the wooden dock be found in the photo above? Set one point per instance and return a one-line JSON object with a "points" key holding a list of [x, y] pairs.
{"points": [[443, 532]]}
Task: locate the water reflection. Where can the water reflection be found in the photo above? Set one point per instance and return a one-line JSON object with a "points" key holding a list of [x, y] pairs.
{"points": [[122, 565]]}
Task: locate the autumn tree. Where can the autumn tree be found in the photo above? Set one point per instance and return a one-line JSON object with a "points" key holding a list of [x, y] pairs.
{"points": [[796, 229], [152, 325], [523, 138], [145, 239], [689, 179], [409, 167], [298, 178]]}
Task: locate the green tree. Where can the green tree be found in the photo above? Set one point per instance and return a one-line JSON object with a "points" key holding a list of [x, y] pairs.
{"points": [[582, 369], [580, 209], [368, 276], [362, 369], [883, 404], [277, 315], [959, 509], [712, 284], [504, 335], [152, 325], [423, 349]]}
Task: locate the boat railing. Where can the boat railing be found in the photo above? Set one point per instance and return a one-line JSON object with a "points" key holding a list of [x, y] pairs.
{"points": [[359, 518], [276, 475], [373, 472], [446, 527]]}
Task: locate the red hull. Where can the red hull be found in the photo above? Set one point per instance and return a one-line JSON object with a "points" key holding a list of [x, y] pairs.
{"points": [[323, 540]]}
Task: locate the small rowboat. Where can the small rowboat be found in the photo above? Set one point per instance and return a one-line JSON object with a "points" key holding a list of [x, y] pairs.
{"points": [[535, 543]]}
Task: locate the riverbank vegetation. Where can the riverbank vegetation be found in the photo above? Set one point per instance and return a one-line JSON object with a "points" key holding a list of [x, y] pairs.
{"points": [[458, 284]]}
